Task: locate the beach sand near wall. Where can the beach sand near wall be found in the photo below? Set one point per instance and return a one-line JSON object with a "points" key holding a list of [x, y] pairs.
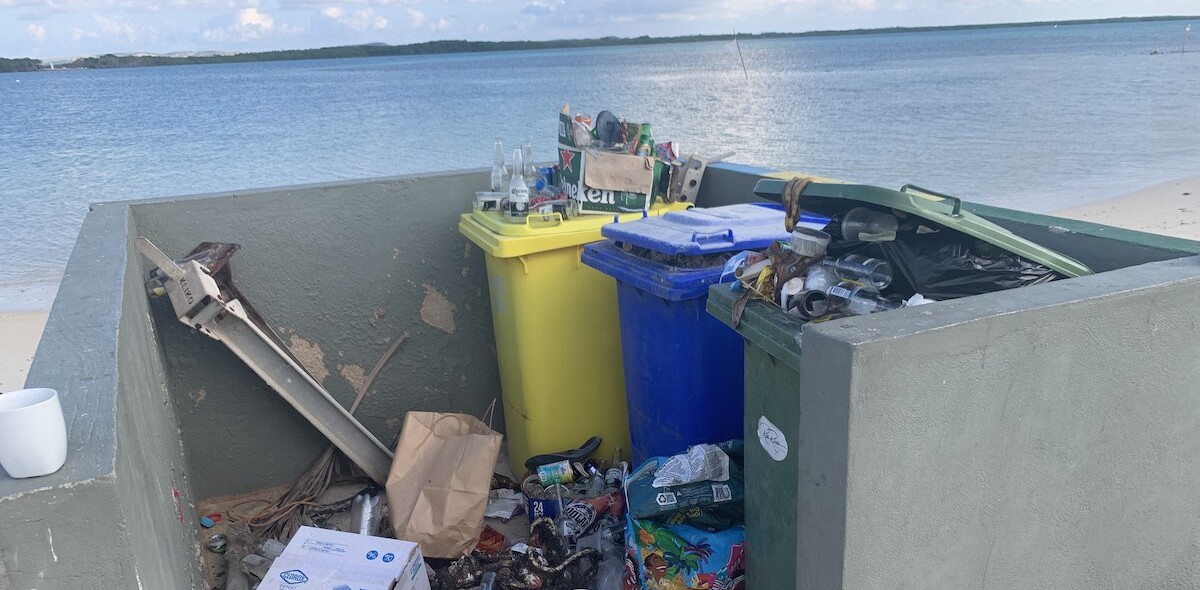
{"points": [[1171, 208], [20, 332]]}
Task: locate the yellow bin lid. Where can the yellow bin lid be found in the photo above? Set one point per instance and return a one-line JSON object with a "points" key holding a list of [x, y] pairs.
{"points": [[540, 233]]}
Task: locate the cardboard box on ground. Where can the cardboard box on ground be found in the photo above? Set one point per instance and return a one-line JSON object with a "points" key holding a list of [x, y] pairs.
{"points": [[604, 182], [322, 558]]}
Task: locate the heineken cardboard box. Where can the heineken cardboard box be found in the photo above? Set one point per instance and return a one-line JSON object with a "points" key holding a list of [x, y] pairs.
{"points": [[602, 182]]}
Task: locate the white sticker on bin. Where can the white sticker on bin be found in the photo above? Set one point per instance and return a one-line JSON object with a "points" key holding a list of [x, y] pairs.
{"points": [[772, 439]]}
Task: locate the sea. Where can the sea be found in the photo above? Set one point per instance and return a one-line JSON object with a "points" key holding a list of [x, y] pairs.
{"points": [[1038, 118]]}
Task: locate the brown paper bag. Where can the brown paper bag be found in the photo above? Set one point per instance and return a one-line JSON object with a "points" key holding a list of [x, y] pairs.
{"points": [[438, 487]]}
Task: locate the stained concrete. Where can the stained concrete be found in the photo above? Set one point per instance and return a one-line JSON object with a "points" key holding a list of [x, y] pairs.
{"points": [[340, 270]]}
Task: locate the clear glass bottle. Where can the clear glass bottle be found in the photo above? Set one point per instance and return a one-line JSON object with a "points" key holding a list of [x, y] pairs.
{"points": [[872, 272], [857, 299], [529, 169], [499, 171], [518, 192]]}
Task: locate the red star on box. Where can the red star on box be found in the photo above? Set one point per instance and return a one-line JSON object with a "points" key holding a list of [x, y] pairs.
{"points": [[568, 159]]}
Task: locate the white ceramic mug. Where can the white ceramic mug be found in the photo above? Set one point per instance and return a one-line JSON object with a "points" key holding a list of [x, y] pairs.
{"points": [[33, 434]]}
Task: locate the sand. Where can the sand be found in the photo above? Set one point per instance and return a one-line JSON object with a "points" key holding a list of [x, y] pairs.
{"points": [[1171, 208], [20, 332]]}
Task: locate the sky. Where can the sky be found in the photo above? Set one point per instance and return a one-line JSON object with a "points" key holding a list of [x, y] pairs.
{"points": [[50, 29]]}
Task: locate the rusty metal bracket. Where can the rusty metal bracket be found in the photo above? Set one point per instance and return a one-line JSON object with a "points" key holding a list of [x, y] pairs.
{"points": [[199, 303]]}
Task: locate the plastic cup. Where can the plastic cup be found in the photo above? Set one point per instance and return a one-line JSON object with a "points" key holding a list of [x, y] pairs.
{"points": [[809, 243], [33, 434]]}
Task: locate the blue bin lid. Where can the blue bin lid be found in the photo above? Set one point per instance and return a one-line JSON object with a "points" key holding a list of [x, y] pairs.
{"points": [[668, 282], [697, 231]]}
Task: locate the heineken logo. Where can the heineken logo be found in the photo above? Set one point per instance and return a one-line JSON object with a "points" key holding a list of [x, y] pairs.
{"points": [[568, 159]]}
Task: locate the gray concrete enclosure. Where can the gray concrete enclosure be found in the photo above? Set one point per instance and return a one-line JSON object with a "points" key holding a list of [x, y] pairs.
{"points": [[160, 416]]}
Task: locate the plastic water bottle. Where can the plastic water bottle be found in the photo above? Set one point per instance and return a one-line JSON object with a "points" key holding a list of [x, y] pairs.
{"points": [[499, 172], [518, 191]]}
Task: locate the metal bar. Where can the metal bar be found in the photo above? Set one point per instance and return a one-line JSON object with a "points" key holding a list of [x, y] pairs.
{"points": [[304, 394]]}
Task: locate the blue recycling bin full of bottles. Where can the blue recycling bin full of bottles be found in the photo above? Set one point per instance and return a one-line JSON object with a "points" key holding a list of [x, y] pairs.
{"points": [[683, 368]]}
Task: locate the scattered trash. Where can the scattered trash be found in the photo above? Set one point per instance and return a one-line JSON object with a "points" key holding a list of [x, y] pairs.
{"points": [[256, 565], [271, 548], [235, 574], [365, 514], [217, 543], [578, 454], [321, 558], [690, 535], [505, 504], [554, 473], [206, 522], [491, 541], [699, 463]]}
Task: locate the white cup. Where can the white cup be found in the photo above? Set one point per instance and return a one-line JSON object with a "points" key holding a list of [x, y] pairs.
{"points": [[33, 434]]}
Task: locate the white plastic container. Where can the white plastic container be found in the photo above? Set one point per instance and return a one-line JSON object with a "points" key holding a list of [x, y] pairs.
{"points": [[33, 434]]}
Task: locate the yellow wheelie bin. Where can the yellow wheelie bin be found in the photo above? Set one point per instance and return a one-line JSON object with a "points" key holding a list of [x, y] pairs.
{"points": [[558, 339]]}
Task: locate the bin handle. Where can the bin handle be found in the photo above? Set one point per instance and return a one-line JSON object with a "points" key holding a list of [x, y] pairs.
{"points": [[717, 236], [956, 209], [535, 220]]}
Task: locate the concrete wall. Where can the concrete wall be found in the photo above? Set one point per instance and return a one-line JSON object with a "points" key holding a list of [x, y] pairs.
{"points": [[339, 271], [1040, 438], [158, 416], [114, 515]]}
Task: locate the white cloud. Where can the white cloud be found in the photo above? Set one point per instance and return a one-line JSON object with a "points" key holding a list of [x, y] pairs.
{"points": [[35, 31], [416, 17], [360, 20], [441, 25], [246, 24]]}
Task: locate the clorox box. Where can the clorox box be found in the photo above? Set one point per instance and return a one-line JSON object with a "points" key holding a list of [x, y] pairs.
{"points": [[320, 559]]}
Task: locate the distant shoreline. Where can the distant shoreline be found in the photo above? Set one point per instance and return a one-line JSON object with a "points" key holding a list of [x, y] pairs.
{"points": [[460, 46]]}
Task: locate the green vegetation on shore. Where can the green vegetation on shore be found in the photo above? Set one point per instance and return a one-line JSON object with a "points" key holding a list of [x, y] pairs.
{"points": [[21, 64], [461, 46]]}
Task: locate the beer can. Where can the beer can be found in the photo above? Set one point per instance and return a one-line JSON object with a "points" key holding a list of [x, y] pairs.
{"points": [[548, 174], [554, 473]]}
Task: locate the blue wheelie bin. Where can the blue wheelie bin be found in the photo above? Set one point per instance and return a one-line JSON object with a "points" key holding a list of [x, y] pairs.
{"points": [[683, 368]]}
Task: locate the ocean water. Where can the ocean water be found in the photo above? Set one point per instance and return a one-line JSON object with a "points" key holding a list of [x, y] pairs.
{"points": [[1031, 118]]}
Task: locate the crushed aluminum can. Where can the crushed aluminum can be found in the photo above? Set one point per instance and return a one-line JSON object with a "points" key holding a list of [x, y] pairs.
{"points": [[217, 544]]}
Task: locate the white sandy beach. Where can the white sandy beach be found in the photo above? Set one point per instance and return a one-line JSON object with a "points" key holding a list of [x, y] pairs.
{"points": [[1171, 208], [20, 332]]}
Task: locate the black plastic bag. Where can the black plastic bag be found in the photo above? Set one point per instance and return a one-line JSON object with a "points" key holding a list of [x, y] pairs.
{"points": [[947, 264]]}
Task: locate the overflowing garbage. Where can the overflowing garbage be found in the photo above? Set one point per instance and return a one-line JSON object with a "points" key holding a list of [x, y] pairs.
{"points": [[606, 165], [867, 259], [435, 512]]}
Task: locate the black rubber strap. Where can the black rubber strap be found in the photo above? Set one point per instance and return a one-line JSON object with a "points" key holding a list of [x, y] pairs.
{"points": [[583, 452]]}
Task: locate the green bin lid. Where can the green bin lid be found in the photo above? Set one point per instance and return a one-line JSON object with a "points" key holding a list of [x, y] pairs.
{"points": [[830, 198]]}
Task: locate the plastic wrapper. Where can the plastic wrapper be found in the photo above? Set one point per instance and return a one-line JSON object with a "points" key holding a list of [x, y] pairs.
{"points": [[948, 265], [699, 463], [706, 504]]}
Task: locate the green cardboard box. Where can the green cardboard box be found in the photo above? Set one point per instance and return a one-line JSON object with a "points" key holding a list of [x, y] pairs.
{"points": [[603, 182]]}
